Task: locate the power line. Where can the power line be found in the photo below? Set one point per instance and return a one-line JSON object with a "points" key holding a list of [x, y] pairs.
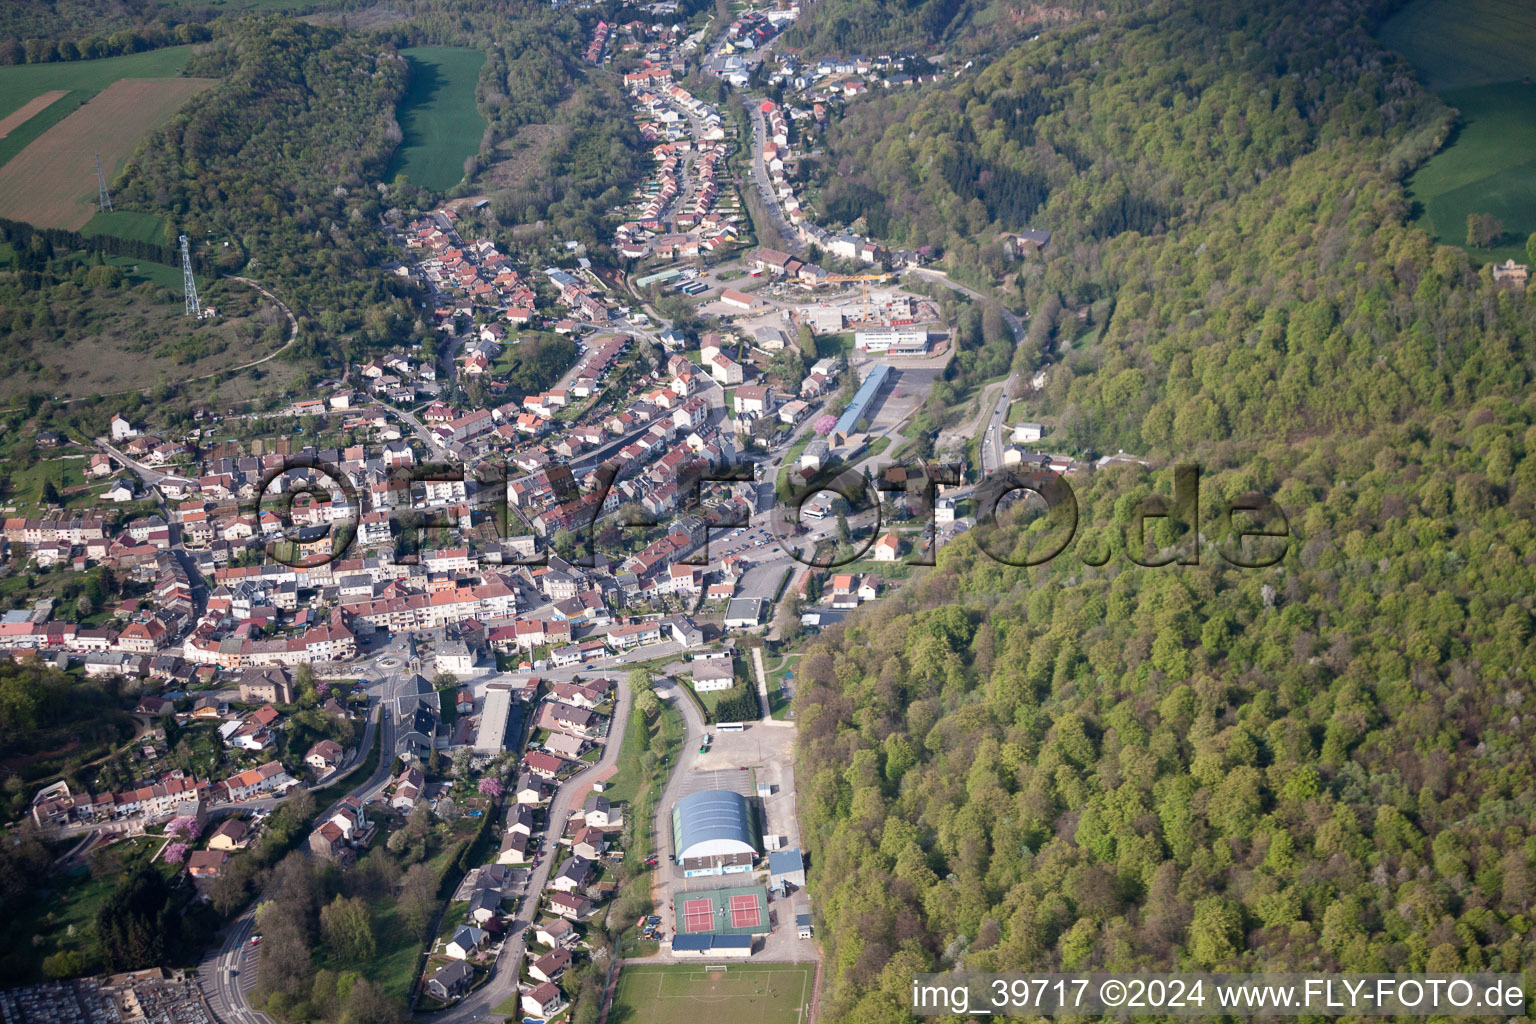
{"points": [[188, 283], [103, 197]]}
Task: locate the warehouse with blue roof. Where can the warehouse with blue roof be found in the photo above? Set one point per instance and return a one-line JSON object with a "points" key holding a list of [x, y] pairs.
{"points": [[863, 401], [711, 944]]}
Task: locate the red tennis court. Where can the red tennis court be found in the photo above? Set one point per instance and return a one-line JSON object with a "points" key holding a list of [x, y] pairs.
{"points": [[698, 916], [744, 912]]}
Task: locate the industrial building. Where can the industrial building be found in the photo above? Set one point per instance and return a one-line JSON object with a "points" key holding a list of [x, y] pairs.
{"points": [[786, 866], [863, 401], [714, 832], [896, 341], [501, 720], [712, 945]]}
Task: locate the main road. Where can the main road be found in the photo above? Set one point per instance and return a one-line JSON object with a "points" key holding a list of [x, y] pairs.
{"points": [[227, 974]]}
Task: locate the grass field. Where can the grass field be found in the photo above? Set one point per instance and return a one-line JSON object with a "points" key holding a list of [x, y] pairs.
{"points": [[52, 182], [22, 84], [1479, 55], [437, 115], [1489, 168], [394, 964], [64, 917], [129, 341], [744, 993], [1456, 44], [137, 227]]}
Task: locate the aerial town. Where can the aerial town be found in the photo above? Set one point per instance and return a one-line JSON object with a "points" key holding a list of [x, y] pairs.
{"points": [[570, 513], [313, 614]]}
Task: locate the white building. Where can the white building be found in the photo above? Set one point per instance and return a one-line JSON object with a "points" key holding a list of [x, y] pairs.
{"points": [[895, 340], [712, 676]]}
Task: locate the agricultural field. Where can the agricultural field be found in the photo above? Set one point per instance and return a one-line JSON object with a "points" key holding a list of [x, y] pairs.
{"points": [[136, 227], [1479, 56], [24, 86], [437, 115], [52, 182], [745, 993], [1457, 44]]}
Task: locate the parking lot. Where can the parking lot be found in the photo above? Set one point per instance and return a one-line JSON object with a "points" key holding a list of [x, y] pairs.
{"points": [[902, 397], [767, 754]]}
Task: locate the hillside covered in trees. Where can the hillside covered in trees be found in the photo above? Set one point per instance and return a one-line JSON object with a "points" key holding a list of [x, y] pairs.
{"points": [[277, 165], [958, 27], [560, 149], [1324, 764]]}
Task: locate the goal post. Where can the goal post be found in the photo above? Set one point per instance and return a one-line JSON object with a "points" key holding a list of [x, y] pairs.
{"points": [[715, 967]]}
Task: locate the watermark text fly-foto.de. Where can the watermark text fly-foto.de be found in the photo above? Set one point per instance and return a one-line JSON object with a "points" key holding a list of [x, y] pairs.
{"points": [[1250, 531]]}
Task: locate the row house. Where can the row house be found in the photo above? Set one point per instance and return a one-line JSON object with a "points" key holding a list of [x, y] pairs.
{"points": [[253, 782], [49, 531]]}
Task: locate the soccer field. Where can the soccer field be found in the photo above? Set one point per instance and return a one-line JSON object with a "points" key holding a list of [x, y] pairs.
{"points": [[743, 993]]}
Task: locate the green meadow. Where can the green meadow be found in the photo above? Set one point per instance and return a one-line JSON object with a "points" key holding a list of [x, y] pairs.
{"points": [[1489, 168], [136, 227], [438, 118], [1480, 57], [1457, 44]]}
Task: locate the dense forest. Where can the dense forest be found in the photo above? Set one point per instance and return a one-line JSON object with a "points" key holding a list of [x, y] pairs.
{"points": [[41, 32], [1319, 765], [275, 166], [1187, 109], [958, 27]]}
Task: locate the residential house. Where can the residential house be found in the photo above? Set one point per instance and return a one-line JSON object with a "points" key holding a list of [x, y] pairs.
{"points": [[254, 782], [589, 843], [557, 932], [713, 676], [266, 685], [206, 863], [570, 906], [545, 766], [575, 874], [229, 836], [599, 813], [324, 756], [484, 906], [543, 1000], [551, 965], [514, 849], [451, 981], [465, 942], [530, 790]]}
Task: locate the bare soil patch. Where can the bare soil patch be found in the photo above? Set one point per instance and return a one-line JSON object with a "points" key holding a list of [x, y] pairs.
{"points": [[32, 107], [52, 183]]}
